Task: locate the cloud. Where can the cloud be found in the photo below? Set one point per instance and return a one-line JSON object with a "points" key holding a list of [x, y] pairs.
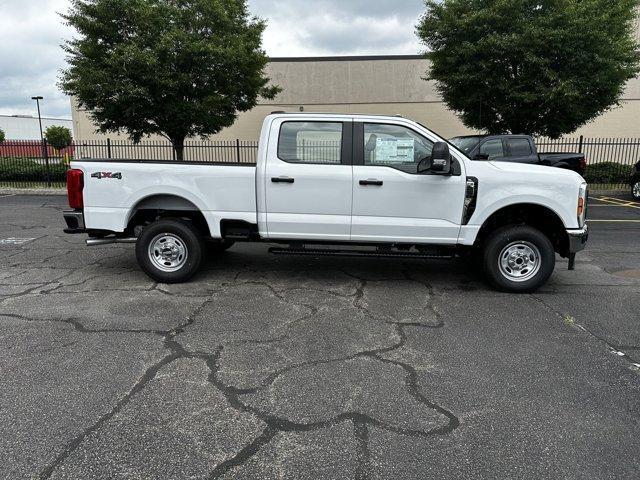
{"points": [[31, 33], [339, 27], [30, 56]]}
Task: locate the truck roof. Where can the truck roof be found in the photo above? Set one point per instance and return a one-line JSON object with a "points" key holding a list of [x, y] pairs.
{"points": [[336, 114]]}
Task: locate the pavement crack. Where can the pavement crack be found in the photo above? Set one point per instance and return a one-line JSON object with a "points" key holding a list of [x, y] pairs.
{"points": [[71, 446], [245, 454], [361, 432]]}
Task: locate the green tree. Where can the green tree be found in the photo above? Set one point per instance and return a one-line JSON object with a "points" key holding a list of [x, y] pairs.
{"points": [[177, 68], [542, 67], [1, 135], [58, 137]]}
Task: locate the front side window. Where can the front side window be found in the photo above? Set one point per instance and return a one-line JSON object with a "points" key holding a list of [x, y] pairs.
{"points": [[492, 148], [310, 142], [394, 146], [519, 147]]}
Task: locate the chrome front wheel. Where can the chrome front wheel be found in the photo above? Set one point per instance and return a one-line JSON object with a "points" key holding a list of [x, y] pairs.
{"points": [[519, 261], [635, 190]]}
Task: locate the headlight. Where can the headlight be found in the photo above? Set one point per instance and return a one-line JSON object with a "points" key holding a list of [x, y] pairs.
{"points": [[583, 197]]}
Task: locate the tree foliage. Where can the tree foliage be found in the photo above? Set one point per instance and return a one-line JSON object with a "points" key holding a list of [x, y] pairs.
{"points": [[58, 137], [542, 67], [177, 68], [1, 135]]}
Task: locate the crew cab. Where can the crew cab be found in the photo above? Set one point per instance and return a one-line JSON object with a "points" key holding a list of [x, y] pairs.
{"points": [[328, 184], [519, 149]]}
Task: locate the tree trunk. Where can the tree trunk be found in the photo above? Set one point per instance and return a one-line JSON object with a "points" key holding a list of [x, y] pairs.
{"points": [[178, 148]]}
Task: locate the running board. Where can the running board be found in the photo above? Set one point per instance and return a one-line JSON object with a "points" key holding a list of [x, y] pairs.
{"points": [[356, 253]]}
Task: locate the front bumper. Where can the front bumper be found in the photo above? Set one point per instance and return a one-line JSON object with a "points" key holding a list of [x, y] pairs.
{"points": [[74, 220], [578, 239]]}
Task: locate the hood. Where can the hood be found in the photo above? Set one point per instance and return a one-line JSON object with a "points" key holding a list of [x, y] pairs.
{"points": [[526, 168]]}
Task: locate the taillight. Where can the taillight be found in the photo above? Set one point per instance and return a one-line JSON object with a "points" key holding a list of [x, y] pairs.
{"points": [[75, 184]]}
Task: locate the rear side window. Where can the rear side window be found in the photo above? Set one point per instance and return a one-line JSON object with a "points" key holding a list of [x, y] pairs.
{"points": [[310, 142], [492, 148], [518, 147]]}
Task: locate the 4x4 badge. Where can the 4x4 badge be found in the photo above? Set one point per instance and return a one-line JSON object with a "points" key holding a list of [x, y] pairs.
{"points": [[100, 175]]}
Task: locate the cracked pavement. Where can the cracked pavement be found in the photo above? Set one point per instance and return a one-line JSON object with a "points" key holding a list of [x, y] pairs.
{"points": [[311, 368]]}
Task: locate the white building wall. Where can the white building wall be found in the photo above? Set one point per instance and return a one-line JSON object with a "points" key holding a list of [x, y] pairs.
{"points": [[19, 127]]}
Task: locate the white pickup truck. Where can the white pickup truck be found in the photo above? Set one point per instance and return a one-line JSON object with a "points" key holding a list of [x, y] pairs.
{"points": [[325, 184]]}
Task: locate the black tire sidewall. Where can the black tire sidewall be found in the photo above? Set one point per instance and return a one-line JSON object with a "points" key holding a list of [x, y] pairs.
{"points": [[506, 235], [187, 233]]}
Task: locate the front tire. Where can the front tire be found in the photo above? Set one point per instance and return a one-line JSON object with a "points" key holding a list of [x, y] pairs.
{"points": [[518, 259], [170, 250], [635, 190]]}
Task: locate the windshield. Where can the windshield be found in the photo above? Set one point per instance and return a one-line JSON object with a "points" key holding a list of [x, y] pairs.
{"points": [[466, 144]]}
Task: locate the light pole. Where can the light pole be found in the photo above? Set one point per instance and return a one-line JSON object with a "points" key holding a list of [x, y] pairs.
{"points": [[44, 146]]}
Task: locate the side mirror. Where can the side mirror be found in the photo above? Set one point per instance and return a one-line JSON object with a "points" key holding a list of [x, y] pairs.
{"points": [[481, 156], [439, 162]]}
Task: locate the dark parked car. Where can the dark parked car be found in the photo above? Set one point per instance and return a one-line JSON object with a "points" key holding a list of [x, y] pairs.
{"points": [[516, 148], [635, 181]]}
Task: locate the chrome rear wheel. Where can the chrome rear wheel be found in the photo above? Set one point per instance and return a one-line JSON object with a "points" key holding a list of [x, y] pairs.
{"points": [[168, 252]]}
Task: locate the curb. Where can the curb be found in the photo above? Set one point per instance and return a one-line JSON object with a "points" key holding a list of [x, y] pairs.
{"points": [[33, 191]]}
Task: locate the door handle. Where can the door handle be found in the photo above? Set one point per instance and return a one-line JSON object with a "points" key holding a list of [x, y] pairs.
{"points": [[282, 179], [377, 183]]}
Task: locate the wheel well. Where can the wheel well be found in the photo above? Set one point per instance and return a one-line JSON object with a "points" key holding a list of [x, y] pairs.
{"points": [[155, 207], [537, 216]]}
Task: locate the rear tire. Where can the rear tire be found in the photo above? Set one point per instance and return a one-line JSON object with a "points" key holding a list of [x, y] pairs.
{"points": [[518, 259], [635, 190], [170, 250]]}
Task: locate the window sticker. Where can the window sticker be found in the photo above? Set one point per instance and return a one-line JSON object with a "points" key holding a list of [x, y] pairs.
{"points": [[394, 150]]}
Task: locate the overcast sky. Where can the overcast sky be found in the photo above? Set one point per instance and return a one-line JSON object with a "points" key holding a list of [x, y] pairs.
{"points": [[31, 33]]}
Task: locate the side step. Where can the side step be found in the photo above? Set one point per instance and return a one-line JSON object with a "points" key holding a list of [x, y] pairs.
{"points": [[357, 253]]}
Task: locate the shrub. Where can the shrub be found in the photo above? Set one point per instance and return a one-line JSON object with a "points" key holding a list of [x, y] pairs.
{"points": [[608, 172], [58, 137], [24, 170]]}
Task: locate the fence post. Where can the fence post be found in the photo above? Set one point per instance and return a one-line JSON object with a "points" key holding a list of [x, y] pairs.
{"points": [[238, 149], [108, 148], [580, 144], [46, 161]]}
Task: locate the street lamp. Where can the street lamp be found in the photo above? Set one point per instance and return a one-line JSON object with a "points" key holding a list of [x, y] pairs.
{"points": [[44, 146]]}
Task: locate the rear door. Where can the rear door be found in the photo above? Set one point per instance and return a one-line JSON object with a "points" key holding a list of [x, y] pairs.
{"points": [[308, 177]]}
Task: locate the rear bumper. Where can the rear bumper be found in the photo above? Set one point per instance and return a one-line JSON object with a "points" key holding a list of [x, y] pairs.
{"points": [[74, 220], [578, 239]]}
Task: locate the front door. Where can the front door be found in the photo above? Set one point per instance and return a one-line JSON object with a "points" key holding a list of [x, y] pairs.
{"points": [[391, 201], [308, 181]]}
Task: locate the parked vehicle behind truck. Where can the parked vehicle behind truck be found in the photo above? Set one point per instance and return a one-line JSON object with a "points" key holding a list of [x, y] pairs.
{"points": [[347, 185], [518, 149]]}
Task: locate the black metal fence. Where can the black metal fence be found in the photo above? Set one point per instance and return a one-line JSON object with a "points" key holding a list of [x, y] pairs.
{"points": [[609, 160], [31, 164]]}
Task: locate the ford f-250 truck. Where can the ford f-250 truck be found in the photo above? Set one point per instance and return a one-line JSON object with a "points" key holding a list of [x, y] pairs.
{"points": [[325, 184]]}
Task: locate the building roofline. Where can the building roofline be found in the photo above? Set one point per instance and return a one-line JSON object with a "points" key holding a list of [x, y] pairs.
{"points": [[347, 58]]}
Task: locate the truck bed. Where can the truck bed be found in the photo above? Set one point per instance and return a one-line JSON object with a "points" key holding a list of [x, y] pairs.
{"points": [[114, 189]]}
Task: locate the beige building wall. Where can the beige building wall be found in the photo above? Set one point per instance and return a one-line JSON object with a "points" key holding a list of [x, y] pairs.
{"points": [[381, 85]]}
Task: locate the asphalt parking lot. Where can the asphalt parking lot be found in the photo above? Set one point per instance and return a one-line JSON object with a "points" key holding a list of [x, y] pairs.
{"points": [[288, 367]]}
